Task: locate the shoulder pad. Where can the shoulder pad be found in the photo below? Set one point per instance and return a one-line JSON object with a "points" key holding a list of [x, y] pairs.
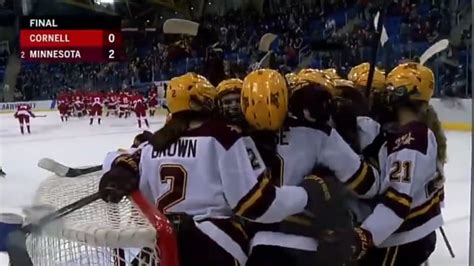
{"points": [[225, 134], [292, 122]]}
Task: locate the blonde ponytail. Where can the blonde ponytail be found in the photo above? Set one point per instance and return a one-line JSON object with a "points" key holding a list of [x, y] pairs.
{"points": [[430, 117]]}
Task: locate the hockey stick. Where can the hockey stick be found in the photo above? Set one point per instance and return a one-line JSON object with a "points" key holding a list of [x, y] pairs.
{"points": [[375, 46], [16, 241], [65, 171], [265, 46], [446, 241], [41, 116], [434, 49]]}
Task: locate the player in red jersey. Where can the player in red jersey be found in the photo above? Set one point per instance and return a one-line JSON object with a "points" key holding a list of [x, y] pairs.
{"points": [[152, 100], [139, 107], [112, 103], [70, 103], [23, 113], [87, 97], [79, 105], [96, 104], [124, 104], [63, 102]]}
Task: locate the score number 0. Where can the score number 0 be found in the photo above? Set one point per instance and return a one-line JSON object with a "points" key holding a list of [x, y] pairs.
{"points": [[111, 39]]}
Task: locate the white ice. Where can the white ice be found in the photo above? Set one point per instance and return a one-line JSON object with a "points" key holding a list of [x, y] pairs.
{"points": [[75, 143]]}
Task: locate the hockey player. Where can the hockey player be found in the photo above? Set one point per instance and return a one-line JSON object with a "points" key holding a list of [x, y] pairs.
{"points": [[152, 100], [139, 107], [124, 104], [87, 98], [23, 114], [63, 102], [400, 230], [79, 105], [228, 101], [113, 102], [303, 142], [208, 173], [2, 173], [359, 75], [97, 104]]}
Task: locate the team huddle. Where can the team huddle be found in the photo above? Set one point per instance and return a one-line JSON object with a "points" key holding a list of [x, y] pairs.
{"points": [[301, 169]]}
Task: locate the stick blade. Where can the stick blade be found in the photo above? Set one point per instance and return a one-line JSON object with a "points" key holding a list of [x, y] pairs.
{"points": [[180, 26], [16, 248], [53, 166], [266, 42], [434, 49]]}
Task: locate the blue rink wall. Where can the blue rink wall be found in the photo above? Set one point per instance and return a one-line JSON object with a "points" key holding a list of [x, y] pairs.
{"points": [[456, 114]]}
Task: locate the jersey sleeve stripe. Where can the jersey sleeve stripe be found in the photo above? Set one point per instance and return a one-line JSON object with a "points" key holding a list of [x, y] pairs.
{"points": [[422, 214], [398, 202], [425, 207], [362, 180], [390, 256], [257, 201], [233, 229], [441, 195]]}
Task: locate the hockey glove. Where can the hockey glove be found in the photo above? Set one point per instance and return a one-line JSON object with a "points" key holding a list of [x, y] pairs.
{"points": [[326, 201], [141, 138], [326, 208], [347, 244], [121, 180]]}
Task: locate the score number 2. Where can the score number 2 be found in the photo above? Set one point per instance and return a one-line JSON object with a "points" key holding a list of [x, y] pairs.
{"points": [[111, 40]]}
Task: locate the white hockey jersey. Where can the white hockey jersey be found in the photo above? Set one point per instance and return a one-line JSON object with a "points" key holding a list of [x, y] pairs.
{"points": [[408, 205], [213, 173], [367, 130], [300, 148]]}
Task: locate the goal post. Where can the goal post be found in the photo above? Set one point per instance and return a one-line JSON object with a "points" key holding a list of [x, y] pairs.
{"points": [[131, 232]]}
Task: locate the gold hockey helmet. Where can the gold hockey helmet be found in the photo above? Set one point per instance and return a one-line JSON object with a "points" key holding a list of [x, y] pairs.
{"points": [[190, 92], [228, 86], [359, 75], [318, 77], [264, 99], [332, 73], [413, 80]]}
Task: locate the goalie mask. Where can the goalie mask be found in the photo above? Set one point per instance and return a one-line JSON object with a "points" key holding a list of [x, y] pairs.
{"points": [[228, 100]]}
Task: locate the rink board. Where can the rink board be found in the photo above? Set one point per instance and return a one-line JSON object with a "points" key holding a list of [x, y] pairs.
{"points": [[456, 114]]}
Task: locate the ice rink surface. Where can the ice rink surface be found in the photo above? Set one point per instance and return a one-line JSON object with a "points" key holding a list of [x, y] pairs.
{"points": [[76, 143]]}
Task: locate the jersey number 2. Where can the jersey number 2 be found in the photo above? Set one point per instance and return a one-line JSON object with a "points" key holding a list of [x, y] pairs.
{"points": [[177, 177]]}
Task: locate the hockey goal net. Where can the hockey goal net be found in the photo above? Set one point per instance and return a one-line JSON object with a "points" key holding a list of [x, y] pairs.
{"points": [[131, 232]]}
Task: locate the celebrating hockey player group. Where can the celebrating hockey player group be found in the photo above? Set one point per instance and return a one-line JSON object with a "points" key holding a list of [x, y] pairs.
{"points": [[95, 104], [302, 169]]}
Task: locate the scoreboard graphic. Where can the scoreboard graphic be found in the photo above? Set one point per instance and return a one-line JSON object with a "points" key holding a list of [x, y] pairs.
{"points": [[71, 39]]}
